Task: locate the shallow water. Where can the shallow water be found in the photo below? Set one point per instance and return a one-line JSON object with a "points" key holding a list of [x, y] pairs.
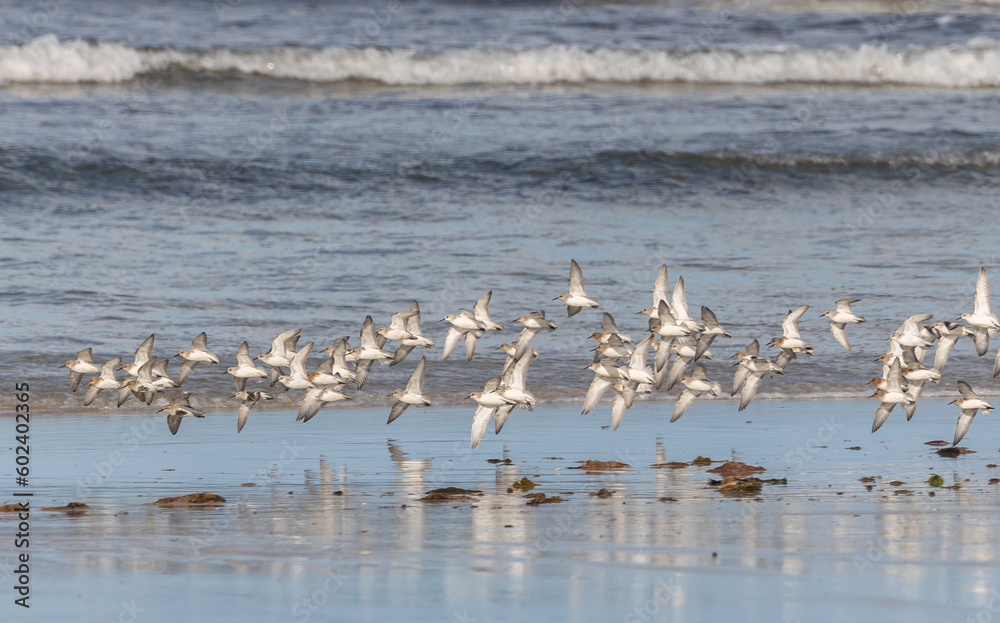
{"points": [[821, 547]]}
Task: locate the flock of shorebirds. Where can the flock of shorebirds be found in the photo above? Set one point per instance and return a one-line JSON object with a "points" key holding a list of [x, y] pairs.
{"points": [[678, 341]]}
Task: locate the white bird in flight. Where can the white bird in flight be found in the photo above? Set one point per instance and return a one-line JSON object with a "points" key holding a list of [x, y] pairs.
{"points": [[840, 318], [891, 396], [193, 356], [969, 402], [412, 394], [179, 409], [577, 298], [790, 339], [244, 368], [981, 318], [248, 400], [83, 364]]}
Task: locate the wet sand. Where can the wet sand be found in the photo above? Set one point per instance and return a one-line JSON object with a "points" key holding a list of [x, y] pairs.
{"points": [[334, 530]]}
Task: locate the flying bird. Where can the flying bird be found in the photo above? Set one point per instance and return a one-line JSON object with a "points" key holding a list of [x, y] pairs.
{"points": [[840, 318], [577, 298], [412, 394]]}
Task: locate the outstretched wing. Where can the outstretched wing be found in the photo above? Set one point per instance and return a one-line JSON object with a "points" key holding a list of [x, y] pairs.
{"points": [[598, 386], [679, 301], [790, 325], [685, 400], [185, 371], [749, 389], [966, 391], [982, 293], [837, 329], [608, 324], [844, 305], [480, 421], [661, 287], [482, 307], [964, 422], [982, 341], [576, 280], [416, 382], [396, 411], [200, 341], [470, 344], [618, 408], [311, 404], [243, 414], [450, 341], [174, 422], [882, 414], [503, 412]]}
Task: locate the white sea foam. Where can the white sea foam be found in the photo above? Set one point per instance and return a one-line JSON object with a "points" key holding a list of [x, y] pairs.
{"points": [[976, 64]]}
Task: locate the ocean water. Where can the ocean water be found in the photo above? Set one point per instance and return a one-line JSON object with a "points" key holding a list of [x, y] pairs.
{"points": [[244, 168]]}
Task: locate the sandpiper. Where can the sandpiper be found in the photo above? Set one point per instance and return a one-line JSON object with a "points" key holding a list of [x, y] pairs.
{"points": [[666, 325], [178, 410], [609, 330], [891, 396], [679, 308], [415, 338], [625, 395], [696, 384], [981, 318], [910, 333], [512, 387], [790, 339], [338, 352], [244, 369], [193, 356], [948, 334], [660, 294], [577, 298], [712, 330], [368, 353], [315, 399], [969, 403], [488, 400], [840, 318], [280, 354], [371, 345], [83, 364], [462, 323], [412, 394], [637, 370], [142, 355], [533, 323], [248, 400], [297, 378], [481, 310], [106, 380]]}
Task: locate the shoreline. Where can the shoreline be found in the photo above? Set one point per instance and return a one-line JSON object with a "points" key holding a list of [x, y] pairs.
{"points": [[338, 500]]}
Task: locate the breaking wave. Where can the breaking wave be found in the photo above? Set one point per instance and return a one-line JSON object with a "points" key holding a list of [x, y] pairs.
{"points": [[975, 64]]}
